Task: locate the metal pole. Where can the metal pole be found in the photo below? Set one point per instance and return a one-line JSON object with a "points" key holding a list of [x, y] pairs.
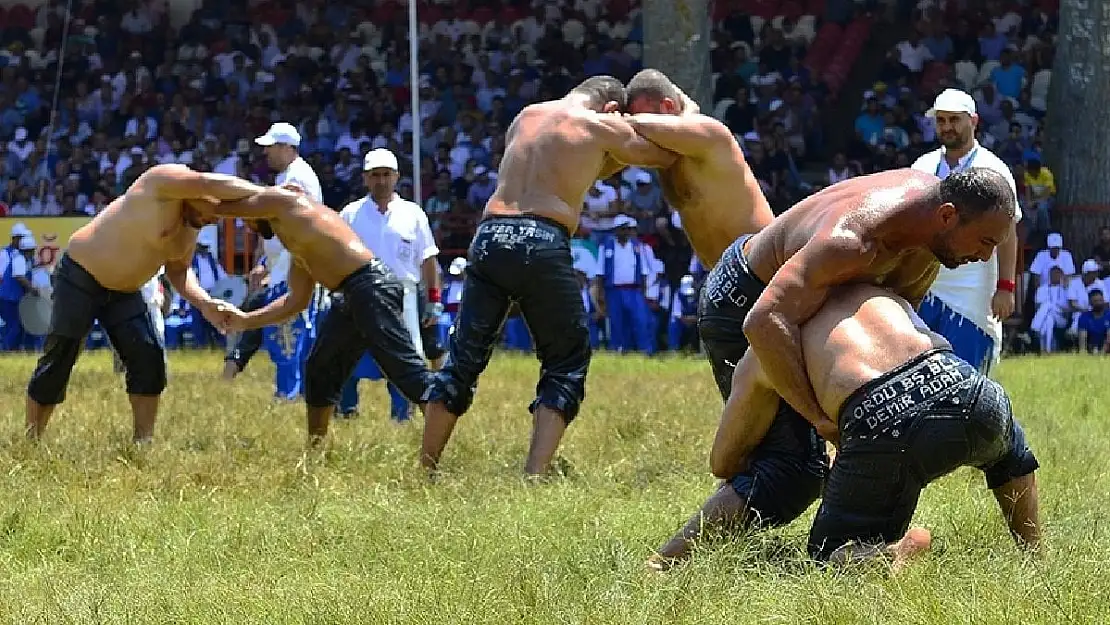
{"points": [[414, 98]]}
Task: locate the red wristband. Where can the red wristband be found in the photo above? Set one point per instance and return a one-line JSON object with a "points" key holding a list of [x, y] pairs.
{"points": [[433, 295], [1006, 285]]}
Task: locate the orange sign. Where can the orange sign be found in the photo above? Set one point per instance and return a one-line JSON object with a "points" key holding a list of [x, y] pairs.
{"points": [[51, 234]]}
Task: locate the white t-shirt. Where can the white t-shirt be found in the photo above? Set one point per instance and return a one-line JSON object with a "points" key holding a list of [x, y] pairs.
{"points": [[1043, 263], [400, 237], [299, 173], [968, 289], [1078, 292]]}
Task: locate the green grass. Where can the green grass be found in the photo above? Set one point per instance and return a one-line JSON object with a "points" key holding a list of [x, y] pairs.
{"points": [[226, 520]]}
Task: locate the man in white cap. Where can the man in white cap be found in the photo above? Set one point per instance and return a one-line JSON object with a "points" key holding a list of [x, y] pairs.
{"points": [[14, 284], [288, 344], [397, 232], [626, 268], [967, 305], [1080, 290]]}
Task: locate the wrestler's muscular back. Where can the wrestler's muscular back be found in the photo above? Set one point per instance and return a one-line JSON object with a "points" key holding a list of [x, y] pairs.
{"points": [[860, 334], [550, 161], [859, 205], [320, 241], [717, 197], [126, 244]]}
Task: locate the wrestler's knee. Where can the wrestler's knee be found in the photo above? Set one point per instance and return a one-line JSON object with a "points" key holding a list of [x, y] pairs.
{"points": [[145, 362], [562, 385], [777, 491], [51, 376], [448, 387], [322, 384]]}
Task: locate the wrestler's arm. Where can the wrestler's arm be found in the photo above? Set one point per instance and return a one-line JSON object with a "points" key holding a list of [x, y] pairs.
{"points": [[689, 135], [269, 202], [622, 143], [914, 287], [181, 277], [178, 182], [301, 286], [747, 416], [792, 297]]}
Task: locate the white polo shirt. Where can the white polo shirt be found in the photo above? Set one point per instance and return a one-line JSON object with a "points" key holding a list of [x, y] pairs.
{"points": [[968, 289], [400, 237], [299, 173]]}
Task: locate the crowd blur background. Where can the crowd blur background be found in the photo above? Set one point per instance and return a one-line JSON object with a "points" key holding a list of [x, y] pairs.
{"points": [[93, 92]]}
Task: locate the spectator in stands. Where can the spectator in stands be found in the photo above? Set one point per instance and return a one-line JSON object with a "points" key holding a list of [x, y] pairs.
{"points": [[1008, 77], [1101, 252], [1053, 256], [1051, 302], [1080, 289], [1040, 190]]}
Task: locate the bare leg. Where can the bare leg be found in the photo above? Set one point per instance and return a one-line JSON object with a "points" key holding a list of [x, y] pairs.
{"points": [[318, 419], [723, 511], [230, 370], [916, 541], [748, 414], [144, 408], [439, 423], [38, 415], [548, 426]]}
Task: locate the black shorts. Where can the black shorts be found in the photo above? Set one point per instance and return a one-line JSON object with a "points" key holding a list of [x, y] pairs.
{"points": [[365, 315], [730, 291], [524, 260], [79, 300], [899, 432]]}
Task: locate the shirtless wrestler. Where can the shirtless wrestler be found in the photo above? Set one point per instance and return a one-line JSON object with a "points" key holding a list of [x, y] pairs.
{"points": [[710, 184], [100, 276], [521, 253], [367, 299], [909, 411], [894, 229]]}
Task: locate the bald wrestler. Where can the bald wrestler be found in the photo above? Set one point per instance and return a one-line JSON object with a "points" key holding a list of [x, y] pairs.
{"points": [[710, 183], [909, 411], [893, 228], [367, 300], [100, 276], [521, 253]]}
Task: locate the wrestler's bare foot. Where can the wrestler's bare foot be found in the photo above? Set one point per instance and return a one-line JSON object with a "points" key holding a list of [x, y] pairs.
{"points": [[439, 423], [723, 511], [38, 415], [548, 427], [916, 541]]}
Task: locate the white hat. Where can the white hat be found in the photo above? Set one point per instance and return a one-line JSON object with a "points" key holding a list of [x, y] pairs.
{"points": [[20, 134], [1055, 240], [380, 158], [686, 285], [20, 229], [479, 170], [457, 266], [1090, 265], [280, 132], [27, 242], [624, 221], [643, 177], [953, 101]]}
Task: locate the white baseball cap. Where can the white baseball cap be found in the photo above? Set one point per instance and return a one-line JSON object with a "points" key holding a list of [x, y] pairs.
{"points": [[624, 221], [20, 229], [280, 132], [457, 266], [27, 242], [953, 101], [1055, 240], [686, 285], [380, 158], [643, 177], [1090, 265]]}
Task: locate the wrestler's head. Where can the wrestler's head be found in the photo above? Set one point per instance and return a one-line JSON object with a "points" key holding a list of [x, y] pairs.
{"points": [[604, 94], [974, 211], [198, 213], [650, 91]]}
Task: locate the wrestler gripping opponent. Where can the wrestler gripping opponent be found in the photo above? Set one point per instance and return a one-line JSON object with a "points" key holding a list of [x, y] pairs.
{"points": [[521, 252], [908, 410], [365, 314], [710, 184], [894, 229], [101, 273]]}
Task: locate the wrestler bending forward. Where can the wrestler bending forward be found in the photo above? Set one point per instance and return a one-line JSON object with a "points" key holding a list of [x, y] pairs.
{"points": [[908, 412]]}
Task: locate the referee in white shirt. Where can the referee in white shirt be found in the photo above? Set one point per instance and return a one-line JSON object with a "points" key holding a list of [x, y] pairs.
{"points": [[967, 305], [280, 145], [397, 232]]}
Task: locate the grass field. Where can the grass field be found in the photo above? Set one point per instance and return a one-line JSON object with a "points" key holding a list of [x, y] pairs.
{"points": [[226, 520]]}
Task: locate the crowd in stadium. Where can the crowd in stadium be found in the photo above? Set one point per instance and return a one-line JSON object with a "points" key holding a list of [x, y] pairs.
{"points": [[91, 99]]}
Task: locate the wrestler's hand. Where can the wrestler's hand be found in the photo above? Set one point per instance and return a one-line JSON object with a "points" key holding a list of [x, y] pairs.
{"points": [[255, 277], [289, 186], [1002, 304], [225, 317]]}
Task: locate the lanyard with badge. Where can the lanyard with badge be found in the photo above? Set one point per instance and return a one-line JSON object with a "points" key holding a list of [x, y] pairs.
{"points": [[958, 168]]}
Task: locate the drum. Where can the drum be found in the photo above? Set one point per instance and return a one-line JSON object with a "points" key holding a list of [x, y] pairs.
{"points": [[34, 314], [232, 289]]}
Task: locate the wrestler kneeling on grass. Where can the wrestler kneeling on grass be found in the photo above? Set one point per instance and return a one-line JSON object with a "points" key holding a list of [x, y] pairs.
{"points": [[908, 410]]}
